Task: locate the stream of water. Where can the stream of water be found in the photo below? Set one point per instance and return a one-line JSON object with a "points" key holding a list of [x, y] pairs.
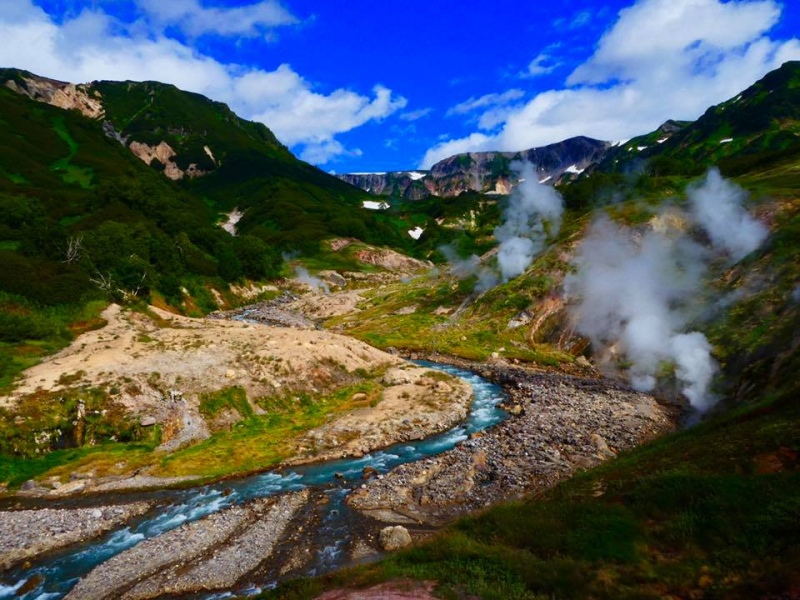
{"points": [[53, 577]]}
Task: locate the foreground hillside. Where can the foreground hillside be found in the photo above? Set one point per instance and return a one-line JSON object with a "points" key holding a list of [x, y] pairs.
{"points": [[711, 512]]}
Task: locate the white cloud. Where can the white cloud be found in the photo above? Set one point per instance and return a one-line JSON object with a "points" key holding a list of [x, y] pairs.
{"points": [[661, 59], [540, 65], [191, 17], [326, 151], [298, 115], [488, 100], [94, 46], [475, 142], [415, 115]]}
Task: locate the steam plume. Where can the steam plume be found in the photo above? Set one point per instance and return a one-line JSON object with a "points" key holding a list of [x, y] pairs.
{"points": [[718, 206], [533, 209], [635, 297], [464, 268], [638, 292], [317, 285]]}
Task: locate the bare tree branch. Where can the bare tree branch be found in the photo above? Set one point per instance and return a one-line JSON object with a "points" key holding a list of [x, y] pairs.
{"points": [[74, 249]]}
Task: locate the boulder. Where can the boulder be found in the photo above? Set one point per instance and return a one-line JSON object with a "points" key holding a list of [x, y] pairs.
{"points": [[333, 278], [394, 538]]}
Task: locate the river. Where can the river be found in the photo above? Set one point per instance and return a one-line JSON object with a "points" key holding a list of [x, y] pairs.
{"points": [[54, 576]]}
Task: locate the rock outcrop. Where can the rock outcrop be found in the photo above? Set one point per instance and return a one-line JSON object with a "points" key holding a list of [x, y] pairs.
{"points": [[394, 538], [164, 154], [61, 94]]}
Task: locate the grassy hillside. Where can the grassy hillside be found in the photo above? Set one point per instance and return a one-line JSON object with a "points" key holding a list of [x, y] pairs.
{"points": [[757, 126]]}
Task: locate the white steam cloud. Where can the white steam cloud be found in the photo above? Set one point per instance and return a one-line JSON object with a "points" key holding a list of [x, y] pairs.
{"points": [[464, 268], [638, 292], [534, 210], [317, 285], [718, 206], [635, 298]]}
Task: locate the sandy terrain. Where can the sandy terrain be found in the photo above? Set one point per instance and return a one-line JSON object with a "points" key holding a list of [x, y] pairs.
{"points": [[161, 367], [325, 306]]}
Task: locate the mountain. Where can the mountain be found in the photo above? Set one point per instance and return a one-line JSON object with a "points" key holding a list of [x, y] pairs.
{"points": [[487, 172], [206, 149], [760, 124], [77, 159], [401, 184]]}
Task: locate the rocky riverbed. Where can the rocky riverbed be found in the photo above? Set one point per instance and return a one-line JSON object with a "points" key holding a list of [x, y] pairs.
{"points": [[212, 553], [28, 533], [559, 424], [275, 313]]}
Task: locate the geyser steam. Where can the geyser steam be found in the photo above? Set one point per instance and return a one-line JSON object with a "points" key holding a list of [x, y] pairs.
{"points": [[533, 211], [638, 292], [718, 206], [317, 285], [469, 267]]}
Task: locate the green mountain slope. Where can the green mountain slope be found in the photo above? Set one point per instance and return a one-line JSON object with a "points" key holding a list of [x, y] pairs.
{"points": [[760, 124], [83, 218]]}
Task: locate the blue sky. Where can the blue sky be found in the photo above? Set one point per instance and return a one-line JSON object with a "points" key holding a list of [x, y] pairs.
{"points": [[450, 76]]}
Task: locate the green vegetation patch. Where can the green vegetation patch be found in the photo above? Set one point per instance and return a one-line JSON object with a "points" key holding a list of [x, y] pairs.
{"points": [[260, 441], [233, 398]]}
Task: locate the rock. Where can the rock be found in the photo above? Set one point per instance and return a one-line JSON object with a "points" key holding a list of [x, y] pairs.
{"points": [[72, 487], [406, 310], [97, 513], [394, 538], [515, 410], [29, 485], [147, 421], [583, 362], [368, 473], [443, 310], [333, 278], [230, 374], [359, 397], [208, 554], [520, 319], [601, 445]]}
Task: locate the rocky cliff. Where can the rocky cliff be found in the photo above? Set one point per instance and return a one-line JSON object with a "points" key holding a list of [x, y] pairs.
{"points": [[487, 172]]}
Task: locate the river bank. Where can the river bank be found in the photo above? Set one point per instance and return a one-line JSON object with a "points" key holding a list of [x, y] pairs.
{"points": [[559, 424], [324, 534]]}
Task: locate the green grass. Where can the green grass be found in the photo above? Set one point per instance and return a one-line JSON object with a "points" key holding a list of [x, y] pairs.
{"points": [[234, 398], [16, 470], [710, 512], [260, 441], [70, 173], [29, 333]]}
